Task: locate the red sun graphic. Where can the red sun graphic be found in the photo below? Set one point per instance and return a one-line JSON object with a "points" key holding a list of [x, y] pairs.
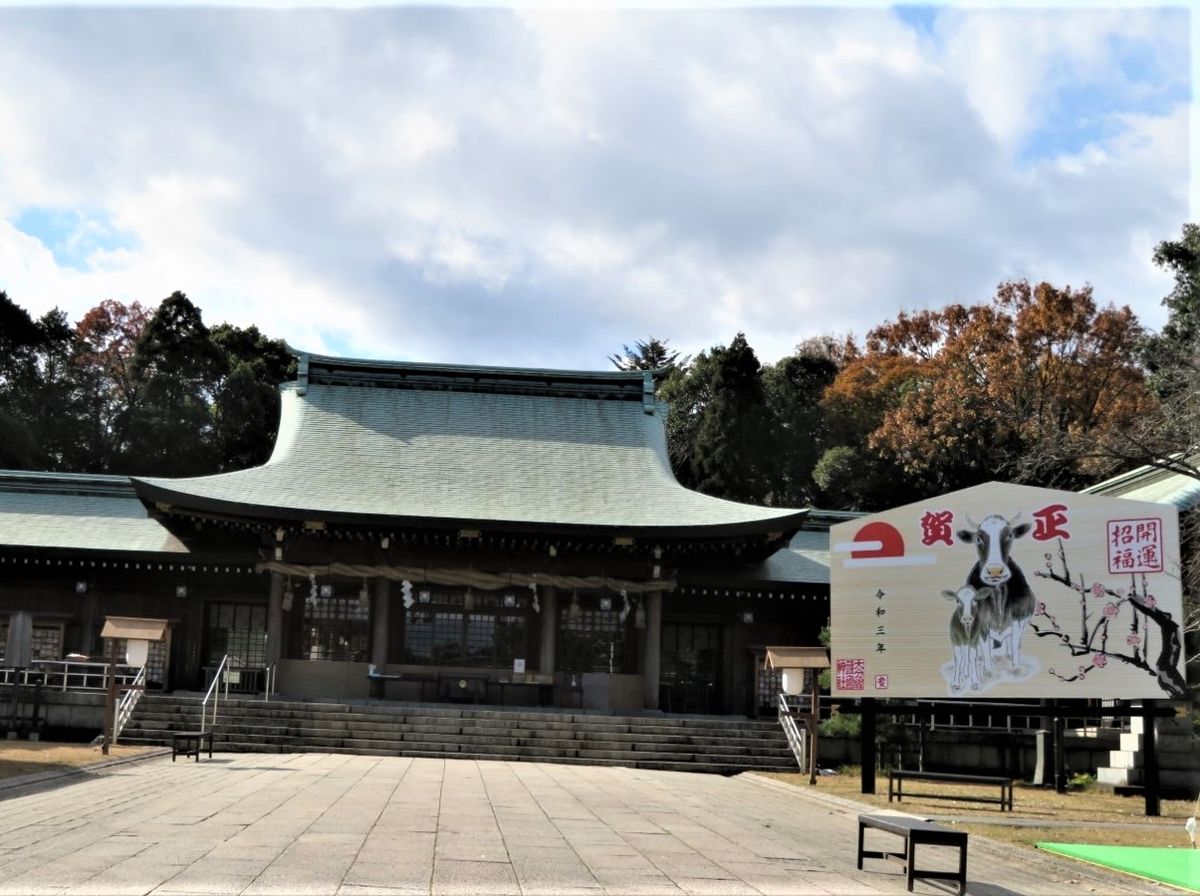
{"points": [[878, 540]]}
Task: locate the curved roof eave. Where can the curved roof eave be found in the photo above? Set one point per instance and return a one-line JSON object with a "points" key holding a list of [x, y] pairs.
{"points": [[153, 494]]}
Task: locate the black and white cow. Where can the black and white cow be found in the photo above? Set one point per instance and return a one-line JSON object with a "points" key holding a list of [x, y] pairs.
{"points": [[1012, 601]]}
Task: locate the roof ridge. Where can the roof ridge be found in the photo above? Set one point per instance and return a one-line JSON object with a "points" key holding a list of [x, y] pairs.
{"points": [[327, 370], [95, 484]]}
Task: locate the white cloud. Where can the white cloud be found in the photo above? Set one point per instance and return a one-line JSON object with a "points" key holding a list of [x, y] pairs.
{"points": [[538, 187]]}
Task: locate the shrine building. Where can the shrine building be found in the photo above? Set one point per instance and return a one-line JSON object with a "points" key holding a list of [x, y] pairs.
{"points": [[427, 533]]}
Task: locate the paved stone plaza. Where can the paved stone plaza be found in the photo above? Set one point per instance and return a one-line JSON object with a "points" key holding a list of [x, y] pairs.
{"points": [[365, 825]]}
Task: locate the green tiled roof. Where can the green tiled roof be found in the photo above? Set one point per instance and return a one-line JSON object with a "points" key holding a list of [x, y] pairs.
{"points": [[432, 445], [78, 512], [804, 561], [1152, 484]]}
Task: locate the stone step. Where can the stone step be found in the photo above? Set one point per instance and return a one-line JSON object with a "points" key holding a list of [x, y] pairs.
{"points": [[390, 710], [541, 747], [712, 762], [251, 734], [305, 728], [365, 722], [720, 745]]}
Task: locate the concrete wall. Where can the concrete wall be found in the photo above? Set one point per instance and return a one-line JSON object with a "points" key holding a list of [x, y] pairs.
{"points": [[612, 693], [309, 680], [59, 709]]}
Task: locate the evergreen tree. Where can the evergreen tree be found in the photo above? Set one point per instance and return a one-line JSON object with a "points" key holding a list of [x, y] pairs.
{"points": [[732, 456], [177, 365], [21, 340], [793, 387], [246, 398], [1172, 355], [653, 354]]}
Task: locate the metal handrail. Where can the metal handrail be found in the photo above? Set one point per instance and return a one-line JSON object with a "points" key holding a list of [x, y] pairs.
{"points": [[68, 675], [797, 741], [269, 682], [214, 691], [128, 701]]}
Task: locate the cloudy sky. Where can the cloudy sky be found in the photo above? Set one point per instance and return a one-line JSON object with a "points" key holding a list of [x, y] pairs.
{"points": [[526, 187]]}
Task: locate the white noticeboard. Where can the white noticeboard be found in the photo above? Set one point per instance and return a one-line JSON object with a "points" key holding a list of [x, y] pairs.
{"points": [[1006, 591]]}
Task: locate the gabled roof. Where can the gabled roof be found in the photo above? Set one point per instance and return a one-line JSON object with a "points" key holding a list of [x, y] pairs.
{"points": [[78, 512], [1151, 484], [383, 443], [804, 561], [796, 658]]}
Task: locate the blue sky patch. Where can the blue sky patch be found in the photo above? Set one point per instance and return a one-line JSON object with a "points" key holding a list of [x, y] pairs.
{"points": [[918, 18], [1078, 113], [73, 235]]}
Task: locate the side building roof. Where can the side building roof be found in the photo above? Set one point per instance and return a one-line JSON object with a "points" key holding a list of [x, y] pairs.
{"points": [[78, 512], [388, 443], [1152, 484]]}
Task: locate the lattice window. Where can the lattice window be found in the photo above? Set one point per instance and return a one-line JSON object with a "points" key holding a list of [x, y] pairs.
{"points": [[594, 640], [770, 684], [46, 641], [448, 628], [239, 630], [156, 658], [336, 628]]}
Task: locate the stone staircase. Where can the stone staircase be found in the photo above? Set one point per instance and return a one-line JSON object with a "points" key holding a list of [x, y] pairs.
{"points": [[680, 743], [1175, 748]]}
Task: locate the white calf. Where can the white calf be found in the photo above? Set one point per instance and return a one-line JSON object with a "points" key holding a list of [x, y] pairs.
{"points": [[967, 631]]}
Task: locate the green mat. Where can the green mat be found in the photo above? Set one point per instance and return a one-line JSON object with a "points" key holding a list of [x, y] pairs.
{"points": [[1178, 867]]}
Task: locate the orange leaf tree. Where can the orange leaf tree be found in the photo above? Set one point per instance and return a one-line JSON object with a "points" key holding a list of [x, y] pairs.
{"points": [[961, 395]]}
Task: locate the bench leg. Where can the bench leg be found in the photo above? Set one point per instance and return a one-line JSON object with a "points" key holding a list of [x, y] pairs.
{"points": [[861, 829], [962, 870], [910, 860]]}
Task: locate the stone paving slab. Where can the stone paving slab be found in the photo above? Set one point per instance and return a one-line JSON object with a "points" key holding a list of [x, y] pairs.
{"points": [[390, 826]]}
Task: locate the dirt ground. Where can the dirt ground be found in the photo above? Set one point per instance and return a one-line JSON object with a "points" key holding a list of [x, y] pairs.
{"points": [[1093, 808], [23, 757]]}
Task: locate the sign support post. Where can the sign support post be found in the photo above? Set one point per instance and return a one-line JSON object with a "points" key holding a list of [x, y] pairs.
{"points": [[1150, 758], [867, 744]]}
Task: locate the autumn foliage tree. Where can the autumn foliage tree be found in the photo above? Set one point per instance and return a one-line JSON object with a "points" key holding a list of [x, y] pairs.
{"points": [[961, 395], [134, 390], [107, 389]]}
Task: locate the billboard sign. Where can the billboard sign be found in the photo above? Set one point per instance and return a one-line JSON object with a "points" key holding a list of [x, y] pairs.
{"points": [[1006, 591]]}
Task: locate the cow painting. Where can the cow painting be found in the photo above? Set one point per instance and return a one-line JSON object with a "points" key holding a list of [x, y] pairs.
{"points": [[968, 631], [1012, 602]]}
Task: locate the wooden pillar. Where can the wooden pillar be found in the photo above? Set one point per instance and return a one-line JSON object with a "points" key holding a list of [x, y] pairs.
{"points": [[548, 597], [379, 624], [89, 609], [275, 620], [652, 650]]}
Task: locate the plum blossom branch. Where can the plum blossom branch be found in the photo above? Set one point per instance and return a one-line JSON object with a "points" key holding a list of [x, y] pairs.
{"points": [[1142, 609]]}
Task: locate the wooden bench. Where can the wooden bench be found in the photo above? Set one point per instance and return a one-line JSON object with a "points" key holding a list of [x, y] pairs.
{"points": [[915, 831], [897, 777], [190, 743]]}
